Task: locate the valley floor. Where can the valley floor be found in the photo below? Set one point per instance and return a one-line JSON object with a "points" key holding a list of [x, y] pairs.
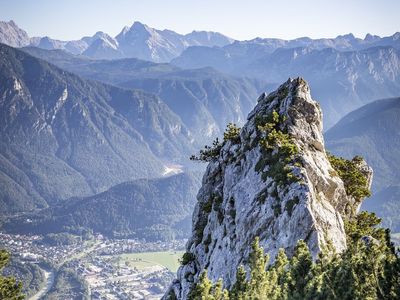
{"points": [[99, 268]]}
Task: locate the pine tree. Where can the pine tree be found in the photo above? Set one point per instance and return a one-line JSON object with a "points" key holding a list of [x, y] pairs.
{"points": [[202, 290], [300, 271], [281, 268], [273, 290], [321, 284], [219, 293], [258, 285], [369, 251], [240, 287]]}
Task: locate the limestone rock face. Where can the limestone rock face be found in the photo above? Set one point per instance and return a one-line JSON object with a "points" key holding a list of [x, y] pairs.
{"points": [[251, 189]]}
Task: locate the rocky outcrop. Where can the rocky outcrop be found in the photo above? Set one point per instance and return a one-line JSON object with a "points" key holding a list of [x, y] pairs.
{"points": [[274, 181]]}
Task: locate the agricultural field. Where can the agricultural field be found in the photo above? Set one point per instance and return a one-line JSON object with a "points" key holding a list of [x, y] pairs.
{"points": [[168, 259]]}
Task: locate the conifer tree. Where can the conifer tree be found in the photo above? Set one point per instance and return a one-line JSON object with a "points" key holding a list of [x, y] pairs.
{"points": [[219, 293], [258, 284], [321, 284], [300, 271], [281, 268], [202, 290], [240, 287]]}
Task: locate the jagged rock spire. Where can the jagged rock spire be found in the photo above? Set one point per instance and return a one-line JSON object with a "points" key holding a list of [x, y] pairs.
{"points": [[273, 181]]}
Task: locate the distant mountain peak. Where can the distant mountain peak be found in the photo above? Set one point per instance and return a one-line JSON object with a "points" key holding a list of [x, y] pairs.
{"points": [[46, 38], [369, 37], [100, 34], [12, 23], [124, 30], [140, 27], [138, 31], [349, 36], [12, 35], [138, 24]]}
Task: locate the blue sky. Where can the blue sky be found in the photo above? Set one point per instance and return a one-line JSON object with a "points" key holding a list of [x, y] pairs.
{"points": [[72, 19]]}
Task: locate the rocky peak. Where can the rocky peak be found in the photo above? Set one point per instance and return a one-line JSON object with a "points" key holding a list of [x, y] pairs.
{"points": [[124, 30], [11, 34], [274, 181], [348, 36], [207, 38], [371, 38], [140, 29], [101, 35], [137, 30]]}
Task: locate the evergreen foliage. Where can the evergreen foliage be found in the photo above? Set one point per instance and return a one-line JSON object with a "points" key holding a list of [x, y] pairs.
{"points": [[9, 287], [187, 258], [209, 153], [277, 146], [368, 269], [205, 290], [372, 131], [232, 133], [355, 182]]}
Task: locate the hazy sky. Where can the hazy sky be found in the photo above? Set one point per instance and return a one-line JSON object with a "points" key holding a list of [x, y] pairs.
{"points": [[72, 19]]}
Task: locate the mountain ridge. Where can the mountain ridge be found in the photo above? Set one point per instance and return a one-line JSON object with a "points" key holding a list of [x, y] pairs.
{"points": [[343, 80], [138, 40], [205, 99], [164, 45], [60, 132]]}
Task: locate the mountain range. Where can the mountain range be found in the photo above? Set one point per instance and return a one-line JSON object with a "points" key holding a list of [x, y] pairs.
{"points": [[344, 73], [341, 80], [139, 41], [236, 56], [206, 100]]}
